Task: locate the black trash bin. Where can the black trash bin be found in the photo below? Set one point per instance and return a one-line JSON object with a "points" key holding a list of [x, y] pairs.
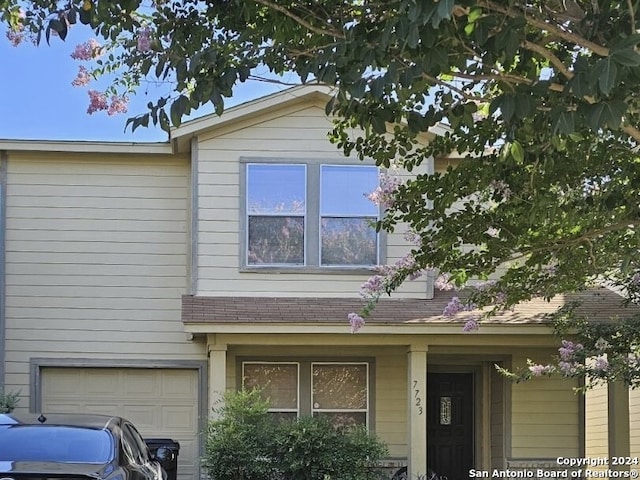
{"points": [[169, 462]]}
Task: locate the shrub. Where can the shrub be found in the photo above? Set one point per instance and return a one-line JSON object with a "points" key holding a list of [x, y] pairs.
{"points": [[311, 448], [249, 443], [237, 444], [9, 401]]}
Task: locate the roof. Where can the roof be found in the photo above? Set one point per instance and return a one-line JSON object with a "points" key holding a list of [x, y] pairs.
{"points": [[76, 146], [596, 304]]}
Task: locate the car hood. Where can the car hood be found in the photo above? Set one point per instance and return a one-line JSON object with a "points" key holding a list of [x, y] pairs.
{"points": [[53, 469]]}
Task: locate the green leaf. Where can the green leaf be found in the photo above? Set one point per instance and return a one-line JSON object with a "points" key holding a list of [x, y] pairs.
{"points": [[627, 57], [85, 16], [178, 110], [606, 114], [72, 16], [164, 121], [564, 123], [378, 124], [508, 107], [517, 151], [607, 75]]}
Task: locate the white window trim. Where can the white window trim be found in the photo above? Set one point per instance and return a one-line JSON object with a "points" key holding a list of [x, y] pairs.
{"points": [[278, 410], [366, 410]]}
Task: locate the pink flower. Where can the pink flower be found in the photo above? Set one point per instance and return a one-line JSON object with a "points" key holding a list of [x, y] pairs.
{"points": [[568, 368], [87, 51], [144, 40], [356, 322], [443, 283], [97, 101], [471, 325], [373, 287], [83, 78], [601, 364], [119, 104], [539, 370], [384, 194], [569, 349], [15, 37]]}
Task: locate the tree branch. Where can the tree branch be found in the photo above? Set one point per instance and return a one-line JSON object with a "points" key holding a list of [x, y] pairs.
{"points": [[548, 27], [301, 21]]}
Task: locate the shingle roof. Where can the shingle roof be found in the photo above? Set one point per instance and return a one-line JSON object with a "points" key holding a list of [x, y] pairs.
{"points": [[597, 304]]}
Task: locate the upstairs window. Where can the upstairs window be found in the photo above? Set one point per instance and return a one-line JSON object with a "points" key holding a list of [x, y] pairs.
{"points": [[347, 233], [276, 209], [310, 215]]}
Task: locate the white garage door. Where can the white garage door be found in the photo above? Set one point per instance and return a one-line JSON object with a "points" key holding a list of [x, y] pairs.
{"points": [[160, 402]]}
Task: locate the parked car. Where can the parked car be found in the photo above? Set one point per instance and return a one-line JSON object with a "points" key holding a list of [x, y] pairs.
{"points": [[78, 446]]}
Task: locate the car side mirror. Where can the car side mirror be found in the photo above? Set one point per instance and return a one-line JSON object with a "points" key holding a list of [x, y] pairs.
{"points": [[164, 454]]}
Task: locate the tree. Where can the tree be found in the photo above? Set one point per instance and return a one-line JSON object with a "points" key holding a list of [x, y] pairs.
{"points": [[540, 99]]}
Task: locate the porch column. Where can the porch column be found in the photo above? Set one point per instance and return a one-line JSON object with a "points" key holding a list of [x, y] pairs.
{"points": [[217, 376], [417, 410], [618, 418]]}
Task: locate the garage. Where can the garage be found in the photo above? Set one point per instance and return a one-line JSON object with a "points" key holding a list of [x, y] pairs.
{"points": [[160, 402]]}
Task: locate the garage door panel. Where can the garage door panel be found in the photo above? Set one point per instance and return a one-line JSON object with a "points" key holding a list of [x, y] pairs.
{"points": [[179, 418], [174, 385], [141, 384], [160, 402]]}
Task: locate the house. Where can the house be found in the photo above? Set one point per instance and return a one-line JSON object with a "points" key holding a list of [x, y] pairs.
{"points": [[147, 279]]}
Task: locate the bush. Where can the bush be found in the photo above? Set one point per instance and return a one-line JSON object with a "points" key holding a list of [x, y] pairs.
{"points": [[249, 443], [310, 448], [9, 401], [237, 446]]}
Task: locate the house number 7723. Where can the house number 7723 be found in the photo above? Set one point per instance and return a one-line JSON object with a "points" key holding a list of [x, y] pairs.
{"points": [[417, 397]]}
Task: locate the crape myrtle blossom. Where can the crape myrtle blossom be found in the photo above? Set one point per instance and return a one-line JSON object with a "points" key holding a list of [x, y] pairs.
{"points": [[538, 370], [569, 349], [144, 40], [384, 194], [442, 283], [471, 325], [88, 50], [601, 364], [83, 78], [99, 101], [15, 34], [119, 104], [356, 322]]}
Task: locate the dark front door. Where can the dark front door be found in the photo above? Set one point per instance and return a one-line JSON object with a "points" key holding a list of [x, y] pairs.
{"points": [[450, 424]]}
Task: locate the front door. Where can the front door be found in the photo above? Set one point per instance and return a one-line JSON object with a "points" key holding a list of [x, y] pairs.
{"points": [[450, 424]]}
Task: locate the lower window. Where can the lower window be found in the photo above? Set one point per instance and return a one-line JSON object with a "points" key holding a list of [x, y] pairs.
{"points": [[337, 390]]}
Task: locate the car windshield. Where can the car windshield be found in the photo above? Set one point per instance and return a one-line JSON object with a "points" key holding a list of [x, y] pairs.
{"points": [[36, 443]]}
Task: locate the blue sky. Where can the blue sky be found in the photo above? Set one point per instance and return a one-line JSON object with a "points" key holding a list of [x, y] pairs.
{"points": [[37, 100]]}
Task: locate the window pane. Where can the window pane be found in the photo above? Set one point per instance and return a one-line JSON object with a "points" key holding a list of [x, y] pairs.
{"points": [[348, 241], [277, 381], [344, 419], [276, 188], [339, 387], [344, 190], [275, 240]]}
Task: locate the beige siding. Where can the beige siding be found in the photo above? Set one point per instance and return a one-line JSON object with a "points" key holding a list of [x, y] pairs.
{"points": [[391, 401], [634, 422], [544, 418], [497, 420], [296, 133], [596, 422], [96, 259]]}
